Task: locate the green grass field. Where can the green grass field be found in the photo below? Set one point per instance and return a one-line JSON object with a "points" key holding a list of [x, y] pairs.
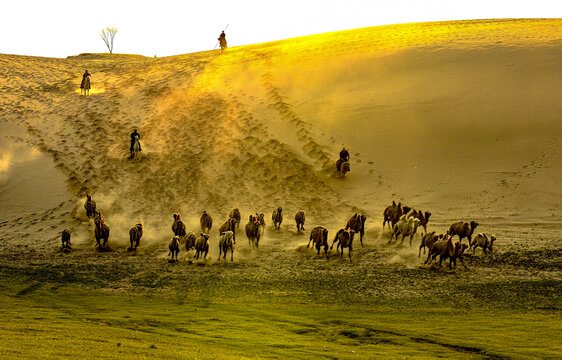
{"points": [[51, 321]]}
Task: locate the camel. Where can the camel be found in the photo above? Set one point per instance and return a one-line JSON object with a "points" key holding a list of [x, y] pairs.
{"points": [[253, 231], [101, 230], [65, 240], [277, 218], [393, 213], [225, 244], [345, 240], [190, 240], [463, 230], [357, 224], [206, 222], [446, 249], [261, 219], [235, 214], [319, 237], [229, 225], [202, 246], [459, 252], [90, 206], [178, 227], [428, 239], [423, 217], [299, 219], [407, 226], [174, 247], [483, 240], [135, 235]]}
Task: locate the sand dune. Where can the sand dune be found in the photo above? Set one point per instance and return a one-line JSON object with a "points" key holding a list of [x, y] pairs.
{"points": [[459, 118]]}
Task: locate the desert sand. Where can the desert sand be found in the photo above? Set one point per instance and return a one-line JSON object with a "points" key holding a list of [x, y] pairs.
{"points": [[462, 119]]}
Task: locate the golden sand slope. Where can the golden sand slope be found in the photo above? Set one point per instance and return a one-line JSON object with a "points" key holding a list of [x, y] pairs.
{"points": [[461, 118]]}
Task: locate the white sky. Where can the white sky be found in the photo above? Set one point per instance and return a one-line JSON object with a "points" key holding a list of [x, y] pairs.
{"points": [[60, 28]]}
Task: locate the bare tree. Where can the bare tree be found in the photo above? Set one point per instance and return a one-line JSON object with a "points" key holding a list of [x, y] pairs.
{"points": [[107, 36]]}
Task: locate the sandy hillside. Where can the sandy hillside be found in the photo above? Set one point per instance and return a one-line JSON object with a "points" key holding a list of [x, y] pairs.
{"points": [[458, 118]]}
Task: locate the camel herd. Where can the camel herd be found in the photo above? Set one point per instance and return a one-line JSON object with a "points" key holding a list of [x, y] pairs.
{"points": [[402, 221]]}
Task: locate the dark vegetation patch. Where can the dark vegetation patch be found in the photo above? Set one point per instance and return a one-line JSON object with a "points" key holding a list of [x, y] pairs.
{"points": [[537, 294], [29, 289], [543, 259], [460, 348]]}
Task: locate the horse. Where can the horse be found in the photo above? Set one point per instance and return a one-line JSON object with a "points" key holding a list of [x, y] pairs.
{"points": [[222, 42], [85, 86], [136, 149], [342, 167]]}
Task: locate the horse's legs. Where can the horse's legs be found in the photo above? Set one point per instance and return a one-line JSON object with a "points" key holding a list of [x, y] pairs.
{"points": [[231, 253]]}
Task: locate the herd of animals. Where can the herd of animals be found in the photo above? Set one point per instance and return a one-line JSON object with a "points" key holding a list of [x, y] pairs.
{"points": [[402, 220]]}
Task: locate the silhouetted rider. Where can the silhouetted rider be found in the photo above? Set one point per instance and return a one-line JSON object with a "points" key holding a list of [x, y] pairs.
{"points": [[344, 156], [135, 136], [222, 40], [84, 76]]}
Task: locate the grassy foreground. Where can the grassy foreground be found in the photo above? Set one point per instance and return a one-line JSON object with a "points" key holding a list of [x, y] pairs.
{"points": [[52, 321]]}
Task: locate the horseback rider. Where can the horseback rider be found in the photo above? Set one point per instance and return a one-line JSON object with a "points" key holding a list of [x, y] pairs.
{"points": [[222, 40], [86, 74], [135, 136], [344, 156]]}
